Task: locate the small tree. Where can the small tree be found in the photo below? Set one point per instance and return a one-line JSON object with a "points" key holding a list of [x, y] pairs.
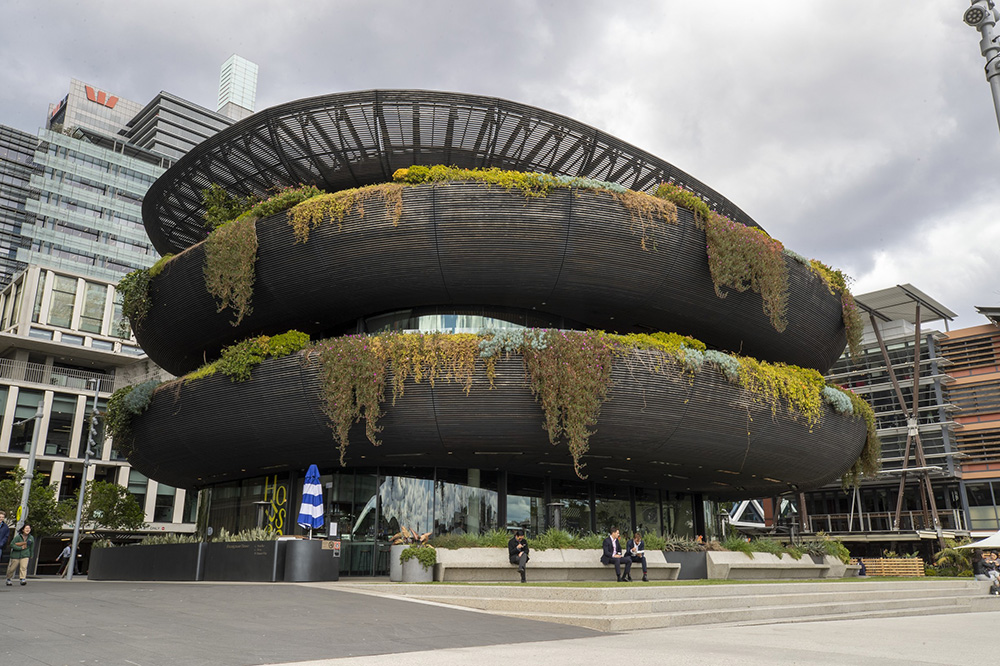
{"points": [[46, 514], [111, 507]]}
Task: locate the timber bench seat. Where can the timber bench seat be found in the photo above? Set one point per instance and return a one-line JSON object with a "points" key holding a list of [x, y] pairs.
{"points": [[493, 565]]}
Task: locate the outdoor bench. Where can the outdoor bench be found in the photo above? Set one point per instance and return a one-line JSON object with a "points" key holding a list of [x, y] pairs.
{"points": [[493, 565]]}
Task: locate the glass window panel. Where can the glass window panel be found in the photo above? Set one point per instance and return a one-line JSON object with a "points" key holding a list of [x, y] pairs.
{"points": [[61, 305], [137, 484], [647, 511], [613, 509], [20, 434], [93, 308], [60, 425], [465, 508]]}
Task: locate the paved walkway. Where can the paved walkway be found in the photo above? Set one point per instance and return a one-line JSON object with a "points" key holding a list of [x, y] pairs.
{"points": [[56, 622]]}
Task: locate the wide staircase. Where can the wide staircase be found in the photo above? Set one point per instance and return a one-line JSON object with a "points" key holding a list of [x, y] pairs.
{"points": [[638, 606]]}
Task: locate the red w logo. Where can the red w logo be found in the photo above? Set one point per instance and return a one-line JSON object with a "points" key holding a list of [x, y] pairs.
{"points": [[101, 97]]}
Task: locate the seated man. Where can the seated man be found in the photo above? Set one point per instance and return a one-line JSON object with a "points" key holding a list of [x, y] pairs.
{"points": [[613, 554], [517, 549], [637, 553]]}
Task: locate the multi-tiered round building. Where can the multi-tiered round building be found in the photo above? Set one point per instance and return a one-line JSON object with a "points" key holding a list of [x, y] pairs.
{"points": [[552, 256]]}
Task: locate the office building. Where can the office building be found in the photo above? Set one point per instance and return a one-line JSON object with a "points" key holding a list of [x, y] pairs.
{"points": [[237, 88], [17, 150]]}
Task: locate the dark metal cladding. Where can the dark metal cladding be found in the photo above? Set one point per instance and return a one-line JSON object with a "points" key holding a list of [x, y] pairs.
{"points": [[574, 255], [658, 428], [351, 139]]}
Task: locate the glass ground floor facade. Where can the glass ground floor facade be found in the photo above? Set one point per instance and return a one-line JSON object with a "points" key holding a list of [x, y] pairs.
{"points": [[368, 506]]}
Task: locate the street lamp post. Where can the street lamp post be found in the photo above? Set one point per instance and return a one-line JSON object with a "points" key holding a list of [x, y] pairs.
{"points": [[92, 443], [983, 16], [29, 474]]}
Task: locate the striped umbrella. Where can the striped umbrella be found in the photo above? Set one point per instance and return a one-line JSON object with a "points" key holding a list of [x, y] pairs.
{"points": [[311, 511]]}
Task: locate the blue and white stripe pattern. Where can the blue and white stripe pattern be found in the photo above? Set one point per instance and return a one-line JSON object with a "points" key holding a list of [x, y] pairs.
{"points": [[311, 511]]}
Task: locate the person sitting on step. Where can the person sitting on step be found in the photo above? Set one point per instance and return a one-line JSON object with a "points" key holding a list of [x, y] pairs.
{"points": [[517, 549], [637, 553], [613, 554]]}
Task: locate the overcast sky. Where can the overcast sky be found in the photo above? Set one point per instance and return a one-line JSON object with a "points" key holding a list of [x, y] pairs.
{"points": [[859, 133]]}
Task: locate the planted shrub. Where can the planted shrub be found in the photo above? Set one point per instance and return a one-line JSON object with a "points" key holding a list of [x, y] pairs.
{"points": [[123, 404], [134, 291], [335, 206], [230, 255], [741, 258], [222, 207]]}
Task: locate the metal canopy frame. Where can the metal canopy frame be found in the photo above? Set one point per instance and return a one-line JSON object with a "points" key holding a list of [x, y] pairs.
{"points": [[352, 139], [905, 302]]}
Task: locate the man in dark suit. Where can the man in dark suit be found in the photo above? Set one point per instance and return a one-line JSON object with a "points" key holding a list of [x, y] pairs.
{"points": [[517, 549], [613, 554], [637, 553]]}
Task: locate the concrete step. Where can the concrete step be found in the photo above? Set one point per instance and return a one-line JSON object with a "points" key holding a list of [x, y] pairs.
{"points": [[638, 606], [681, 604], [638, 590], [768, 615]]}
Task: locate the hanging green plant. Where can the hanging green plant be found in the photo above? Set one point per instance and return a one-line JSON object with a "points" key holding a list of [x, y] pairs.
{"points": [[836, 282], [221, 206], [685, 199], [230, 255], [134, 290], [741, 258], [335, 206], [238, 360], [570, 378], [870, 461], [280, 201], [123, 404], [569, 373], [352, 380]]}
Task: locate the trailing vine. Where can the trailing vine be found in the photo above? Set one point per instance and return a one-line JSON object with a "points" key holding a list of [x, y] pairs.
{"points": [[570, 378], [569, 373], [685, 199], [123, 404], [836, 282], [280, 201], [230, 254], [335, 207], [134, 290], [353, 378], [742, 258]]}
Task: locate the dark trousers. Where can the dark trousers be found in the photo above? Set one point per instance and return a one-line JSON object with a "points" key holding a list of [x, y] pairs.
{"points": [[641, 560], [618, 562], [520, 560]]}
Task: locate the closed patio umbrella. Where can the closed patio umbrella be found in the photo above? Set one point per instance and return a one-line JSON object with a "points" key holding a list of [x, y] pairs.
{"points": [[311, 511]]}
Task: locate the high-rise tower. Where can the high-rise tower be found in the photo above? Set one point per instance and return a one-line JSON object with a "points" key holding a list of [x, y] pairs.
{"points": [[237, 87]]}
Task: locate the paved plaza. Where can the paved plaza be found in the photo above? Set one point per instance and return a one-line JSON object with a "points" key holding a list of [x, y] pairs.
{"points": [[54, 622]]}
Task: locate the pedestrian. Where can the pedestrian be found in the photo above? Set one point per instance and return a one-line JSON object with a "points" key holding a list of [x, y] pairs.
{"points": [[63, 559], [20, 552], [4, 529]]}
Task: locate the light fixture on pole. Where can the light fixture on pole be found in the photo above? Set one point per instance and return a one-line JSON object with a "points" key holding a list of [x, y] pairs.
{"points": [[93, 448], [983, 16], [29, 473]]}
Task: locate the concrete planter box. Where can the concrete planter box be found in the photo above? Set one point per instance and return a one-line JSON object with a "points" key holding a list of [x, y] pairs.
{"points": [[493, 564], [694, 565], [245, 561], [725, 565], [415, 572], [180, 561]]}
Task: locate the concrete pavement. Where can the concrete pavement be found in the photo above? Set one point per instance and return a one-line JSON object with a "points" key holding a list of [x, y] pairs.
{"points": [[55, 622]]}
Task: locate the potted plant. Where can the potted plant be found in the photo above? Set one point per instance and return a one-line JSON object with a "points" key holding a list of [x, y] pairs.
{"points": [[402, 540], [417, 560]]}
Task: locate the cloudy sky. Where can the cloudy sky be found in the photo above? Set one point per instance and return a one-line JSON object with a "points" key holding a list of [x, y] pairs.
{"points": [[859, 133]]}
